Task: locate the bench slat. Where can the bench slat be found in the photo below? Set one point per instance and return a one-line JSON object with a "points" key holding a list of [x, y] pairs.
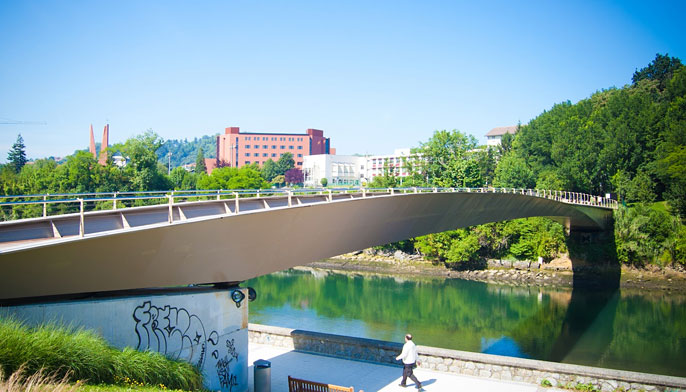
{"points": [[299, 385]]}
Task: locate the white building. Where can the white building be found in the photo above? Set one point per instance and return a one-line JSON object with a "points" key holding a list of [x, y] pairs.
{"points": [[494, 136], [355, 170], [337, 169]]}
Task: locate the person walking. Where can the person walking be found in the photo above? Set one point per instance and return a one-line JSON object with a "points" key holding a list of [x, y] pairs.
{"points": [[409, 358]]}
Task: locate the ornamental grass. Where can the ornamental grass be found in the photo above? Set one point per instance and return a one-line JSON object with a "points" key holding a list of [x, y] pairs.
{"points": [[73, 354]]}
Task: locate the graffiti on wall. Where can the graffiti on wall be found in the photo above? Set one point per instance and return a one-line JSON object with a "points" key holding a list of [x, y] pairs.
{"points": [[179, 334]]}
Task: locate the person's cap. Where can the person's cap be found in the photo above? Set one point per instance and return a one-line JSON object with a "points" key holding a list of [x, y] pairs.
{"points": [[408, 336]]}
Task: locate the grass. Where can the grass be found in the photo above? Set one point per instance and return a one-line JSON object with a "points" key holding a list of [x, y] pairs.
{"points": [[72, 354]]}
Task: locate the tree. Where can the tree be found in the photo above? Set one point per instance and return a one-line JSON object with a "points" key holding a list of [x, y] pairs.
{"points": [[285, 163], [17, 155], [661, 69], [513, 172], [200, 166], [324, 181], [279, 180], [181, 179], [143, 169], [233, 178], [269, 170], [450, 161], [294, 176]]}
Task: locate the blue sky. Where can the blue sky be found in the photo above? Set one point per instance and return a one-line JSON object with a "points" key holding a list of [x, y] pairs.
{"points": [[374, 76]]}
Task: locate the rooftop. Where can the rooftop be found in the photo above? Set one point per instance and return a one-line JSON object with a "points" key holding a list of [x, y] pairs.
{"points": [[499, 131]]}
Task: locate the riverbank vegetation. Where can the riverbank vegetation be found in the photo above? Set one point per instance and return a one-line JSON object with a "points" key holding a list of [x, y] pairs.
{"points": [[60, 355]]}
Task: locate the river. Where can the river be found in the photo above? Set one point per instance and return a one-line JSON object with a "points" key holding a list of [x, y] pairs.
{"points": [[629, 330]]}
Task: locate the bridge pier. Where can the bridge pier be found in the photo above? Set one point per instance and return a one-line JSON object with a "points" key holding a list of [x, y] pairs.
{"points": [[207, 327]]}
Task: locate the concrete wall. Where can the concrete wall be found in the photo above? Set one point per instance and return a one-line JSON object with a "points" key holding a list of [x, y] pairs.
{"points": [[203, 327], [462, 362]]}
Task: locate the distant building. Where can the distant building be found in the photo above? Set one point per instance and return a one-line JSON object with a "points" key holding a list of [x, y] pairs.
{"points": [[494, 136], [357, 170], [119, 160], [237, 149], [337, 169]]}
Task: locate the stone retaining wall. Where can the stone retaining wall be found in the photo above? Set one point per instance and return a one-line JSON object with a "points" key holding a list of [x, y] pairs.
{"points": [[466, 363]]}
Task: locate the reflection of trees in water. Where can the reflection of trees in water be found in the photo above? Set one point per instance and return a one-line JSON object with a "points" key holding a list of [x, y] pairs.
{"points": [[445, 313], [634, 332]]}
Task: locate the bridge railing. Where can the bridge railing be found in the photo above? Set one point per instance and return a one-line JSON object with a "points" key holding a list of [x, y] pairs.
{"points": [[13, 207]]}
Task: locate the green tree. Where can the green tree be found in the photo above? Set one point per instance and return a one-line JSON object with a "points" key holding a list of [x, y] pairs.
{"points": [[279, 180], [143, 169], [450, 161], [324, 182], [181, 179], [200, 166], [285, 163], [17, 155], [269, 170], [233, 178], [661, 69], [513, 172]]}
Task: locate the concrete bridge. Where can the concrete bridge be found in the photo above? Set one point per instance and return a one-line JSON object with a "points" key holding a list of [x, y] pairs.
{"points": [[238, 235]]}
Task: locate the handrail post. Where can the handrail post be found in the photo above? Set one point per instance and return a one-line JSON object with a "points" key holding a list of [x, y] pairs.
{"points": [[219, 194], [435, 190], [392, 191], [290, 198], [171, 208], [82, 226], [45, 205], [364, 192], [258, 193], [330, 195], [114, 201], [415, 189], [236, 201]]}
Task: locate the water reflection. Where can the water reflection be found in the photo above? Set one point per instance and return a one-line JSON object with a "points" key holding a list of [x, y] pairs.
{"points": [[584, 326]]}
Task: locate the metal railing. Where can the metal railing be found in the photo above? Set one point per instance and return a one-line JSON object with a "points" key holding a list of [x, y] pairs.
{"points": [[83, 202]]}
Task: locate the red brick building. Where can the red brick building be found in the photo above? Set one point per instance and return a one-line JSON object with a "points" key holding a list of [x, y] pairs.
{"points": [[237, 149]]}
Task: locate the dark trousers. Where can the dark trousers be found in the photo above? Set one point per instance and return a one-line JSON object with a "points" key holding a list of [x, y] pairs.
{"points": [[407, 372]]}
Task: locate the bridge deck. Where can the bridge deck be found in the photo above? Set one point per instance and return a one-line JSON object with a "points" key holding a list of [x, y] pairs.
{"points": [[228, 240]]}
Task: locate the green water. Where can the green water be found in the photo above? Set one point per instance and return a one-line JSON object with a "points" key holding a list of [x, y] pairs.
{"points": [[643, 332]]}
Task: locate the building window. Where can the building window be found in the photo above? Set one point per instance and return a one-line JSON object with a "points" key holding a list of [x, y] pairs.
{"points": [[265, 147], [300, 163], [300, 155], [256, 154], [283, 148], [283, 139], [247, 154], [273, 154], [247, 162], [264, 139], [264, 154], [247, 138], [247, 146], [290, 147], [273, 139], [300, 147], [257, 146]]}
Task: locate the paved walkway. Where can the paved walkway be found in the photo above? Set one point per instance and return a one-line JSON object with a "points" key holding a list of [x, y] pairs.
{"points": [[365, 376]]}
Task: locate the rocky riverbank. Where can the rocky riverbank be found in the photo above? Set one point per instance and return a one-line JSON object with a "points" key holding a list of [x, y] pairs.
{"points": [[556, 273]]}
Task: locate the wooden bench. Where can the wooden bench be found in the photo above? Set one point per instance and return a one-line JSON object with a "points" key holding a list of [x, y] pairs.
{"points": [[298, 385]]}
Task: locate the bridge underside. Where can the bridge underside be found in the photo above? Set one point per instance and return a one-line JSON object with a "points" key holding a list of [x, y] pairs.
{"points": [[237, 247]]}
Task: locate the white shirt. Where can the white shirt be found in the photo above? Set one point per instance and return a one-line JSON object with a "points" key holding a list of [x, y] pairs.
{"points": [[409, 354]]}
